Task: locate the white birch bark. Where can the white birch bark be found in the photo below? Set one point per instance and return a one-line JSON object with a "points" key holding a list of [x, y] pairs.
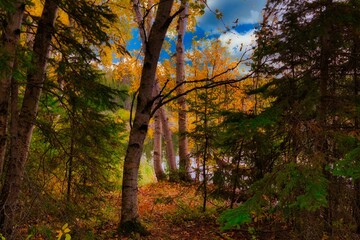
{"points": [[129, 208], [159, 171], [180, 78], [144, 26], [170, 153]]}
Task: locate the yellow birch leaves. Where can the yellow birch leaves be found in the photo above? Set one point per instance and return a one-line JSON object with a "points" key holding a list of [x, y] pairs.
{"points": [[64, 231]]}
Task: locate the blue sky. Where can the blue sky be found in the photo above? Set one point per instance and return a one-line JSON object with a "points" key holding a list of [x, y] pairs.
{"points": [[246, 13]]}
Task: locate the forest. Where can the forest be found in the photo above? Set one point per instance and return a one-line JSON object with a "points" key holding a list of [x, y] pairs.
{"points": [[178, 139]]}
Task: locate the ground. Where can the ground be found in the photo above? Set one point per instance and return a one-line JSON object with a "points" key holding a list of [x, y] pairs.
{"points": [[167, 210], [174, 211]]}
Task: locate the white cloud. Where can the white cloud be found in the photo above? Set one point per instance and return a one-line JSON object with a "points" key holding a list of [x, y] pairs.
{"points": [[234, 40], [246, 11], [255, 17]]}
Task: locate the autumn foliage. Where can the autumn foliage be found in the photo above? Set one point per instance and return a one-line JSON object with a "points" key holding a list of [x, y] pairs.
{"points": [[175, 140]]}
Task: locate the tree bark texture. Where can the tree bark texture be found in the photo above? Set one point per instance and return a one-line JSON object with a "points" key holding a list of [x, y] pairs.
{"points": [[9, 42], [162, 128], [129, 208], [139, 19], [184, 163], [19, 149], [169, 145], [144, 26], [159, 172]]}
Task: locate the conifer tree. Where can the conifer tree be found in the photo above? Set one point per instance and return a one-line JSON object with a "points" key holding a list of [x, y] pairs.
{"points": [[23, 116], [305, 49]]}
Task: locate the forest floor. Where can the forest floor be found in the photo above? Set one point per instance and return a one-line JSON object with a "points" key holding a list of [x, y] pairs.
{"points": [[175, 211], [167, 210]]}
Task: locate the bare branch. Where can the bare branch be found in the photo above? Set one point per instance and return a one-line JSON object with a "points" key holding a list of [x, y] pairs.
{"points": [[205, 86], [207, 83]]}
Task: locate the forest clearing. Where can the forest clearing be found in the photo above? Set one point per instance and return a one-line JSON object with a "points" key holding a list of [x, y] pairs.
{"points": [[179, 119]]}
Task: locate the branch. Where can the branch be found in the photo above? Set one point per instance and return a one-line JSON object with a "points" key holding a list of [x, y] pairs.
{"points": [[209, 83], [159, 95], [169, 20], [213, 12], [206, 86], [140, 20]]}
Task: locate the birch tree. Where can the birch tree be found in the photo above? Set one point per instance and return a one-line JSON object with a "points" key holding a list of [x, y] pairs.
{"points": [[144, 24], [159, 171], [145, 101], [169, 146], [180, 78]]}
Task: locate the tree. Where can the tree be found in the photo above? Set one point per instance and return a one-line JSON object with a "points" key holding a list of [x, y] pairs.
{"points": [[144, 24], [20, 145], [309, 83], [184, 161], [9, 44], [145, 100], [159, 172], [23, 116], [78, 140], [170, 153]]}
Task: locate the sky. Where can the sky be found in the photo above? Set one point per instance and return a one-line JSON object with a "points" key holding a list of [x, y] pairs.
{"points": [[244, 15]]}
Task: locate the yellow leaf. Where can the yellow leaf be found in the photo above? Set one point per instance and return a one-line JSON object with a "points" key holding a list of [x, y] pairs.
{"points": [[36, 8], [65, 226], [59, 234]]}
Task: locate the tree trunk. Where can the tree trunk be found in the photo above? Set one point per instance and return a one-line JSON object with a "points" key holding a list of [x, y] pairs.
{"points": [[205, 153], [184, 162], [9, 42], [159, 172], [19, 152], [70, 161], [356, 204], [170, 153], [322, 141], [129, 208], [144, 30]]}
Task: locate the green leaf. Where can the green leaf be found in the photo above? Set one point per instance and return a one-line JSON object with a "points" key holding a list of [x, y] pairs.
{"points": [[349, 166], [233, 218], [29, 237]]}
